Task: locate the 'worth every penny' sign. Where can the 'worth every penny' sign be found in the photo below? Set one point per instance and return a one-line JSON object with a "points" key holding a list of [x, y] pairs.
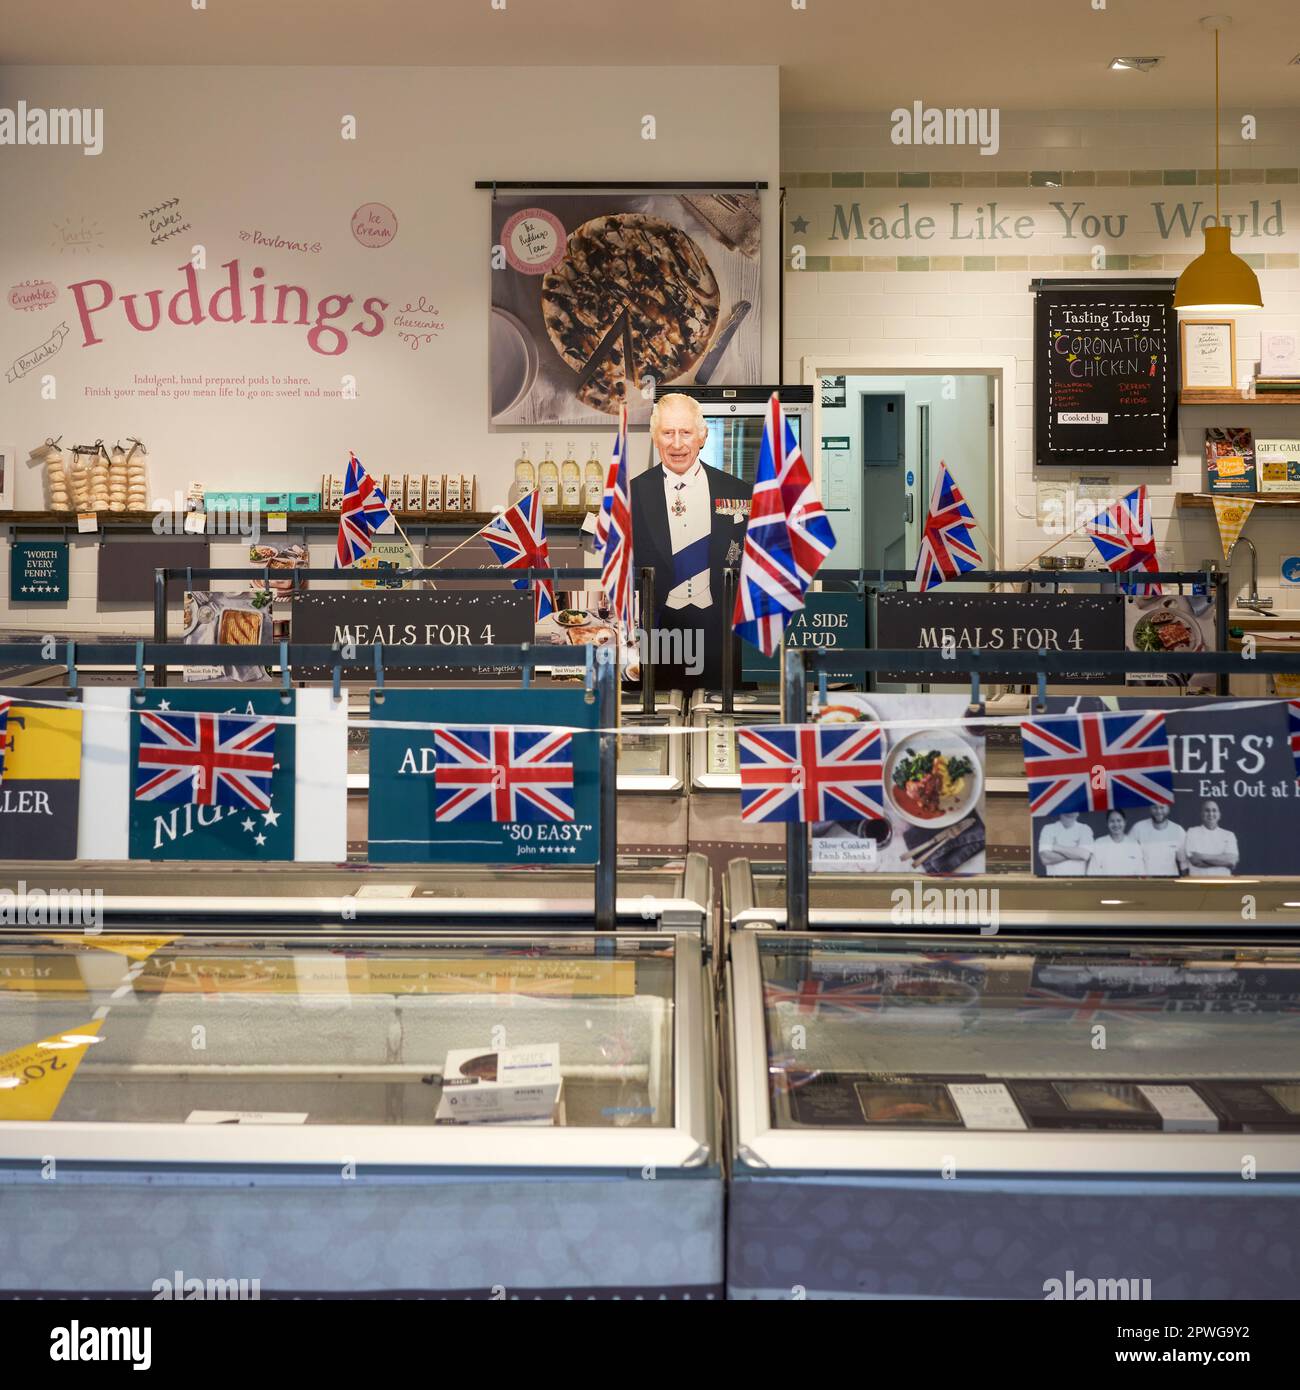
{"points": [[1105, 372], [38, 572]]}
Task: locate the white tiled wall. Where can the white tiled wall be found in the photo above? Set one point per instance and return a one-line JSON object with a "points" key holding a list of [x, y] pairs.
{"points": [[838, 313]]}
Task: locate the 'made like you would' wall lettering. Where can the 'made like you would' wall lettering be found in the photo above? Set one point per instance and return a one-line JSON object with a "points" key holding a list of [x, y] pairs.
{"points": [[233, 301]]}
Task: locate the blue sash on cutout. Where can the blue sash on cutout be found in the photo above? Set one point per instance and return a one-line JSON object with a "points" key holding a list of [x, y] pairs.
{"points": [[691, 561]]}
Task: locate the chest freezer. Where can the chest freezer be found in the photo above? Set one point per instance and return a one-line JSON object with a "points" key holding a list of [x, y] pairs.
{"points": [[283, 1108], [938, 1116], [655, 892]]}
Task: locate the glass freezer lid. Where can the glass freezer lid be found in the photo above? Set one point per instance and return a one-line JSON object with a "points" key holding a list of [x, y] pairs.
{"points": [[878, 1034], [155, 1030]]}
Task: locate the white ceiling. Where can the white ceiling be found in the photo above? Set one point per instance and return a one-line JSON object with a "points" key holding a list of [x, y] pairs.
{"points": [[834, 55]]}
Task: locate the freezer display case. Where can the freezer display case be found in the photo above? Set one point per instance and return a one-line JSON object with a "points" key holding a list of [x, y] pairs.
{"points": [[457, 1116], [715, 763], [925, 1115], [655, 893]]}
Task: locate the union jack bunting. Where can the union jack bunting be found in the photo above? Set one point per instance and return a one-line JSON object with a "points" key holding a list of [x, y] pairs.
{"points": [[947, 549], [1125, 539], [501, 774], [1293, 719], [518, 540], [1097, 762], [365, 510], [787, 537], [205, 759], [811, 772], [614, 531], [4, 734]]}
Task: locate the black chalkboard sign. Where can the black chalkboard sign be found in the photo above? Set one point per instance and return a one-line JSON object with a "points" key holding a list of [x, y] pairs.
{"points": [[1012, 623], [1105, 373], [445, 618]]}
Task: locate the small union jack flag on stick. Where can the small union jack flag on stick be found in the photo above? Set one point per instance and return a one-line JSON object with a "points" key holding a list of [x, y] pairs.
{"points": [[502, 774], [518, 540], [206, 759], [614, 531], [811, 772], [787, 537], [1125, 539], [365, 510], [1097, 762], [1293, 722], [947, 549]]}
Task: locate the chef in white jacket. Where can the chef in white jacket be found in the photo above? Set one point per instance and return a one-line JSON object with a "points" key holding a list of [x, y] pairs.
{"points": [[1210, 849], [1162, 844], [1115, 855]]}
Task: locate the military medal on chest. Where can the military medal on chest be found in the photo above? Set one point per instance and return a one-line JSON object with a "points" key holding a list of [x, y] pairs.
{"points": [[679, 506]]}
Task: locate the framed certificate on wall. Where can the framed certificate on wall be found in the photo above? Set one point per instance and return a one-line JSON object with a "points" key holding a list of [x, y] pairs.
{"points": [[1209, 354]]}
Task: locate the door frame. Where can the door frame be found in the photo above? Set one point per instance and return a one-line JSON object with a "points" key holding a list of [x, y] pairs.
{"points": [[1002, 369]]}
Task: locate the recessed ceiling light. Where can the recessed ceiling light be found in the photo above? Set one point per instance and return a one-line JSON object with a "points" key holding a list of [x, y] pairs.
{"points": [[1291, 904], [1115, 902], [1133, 64]]}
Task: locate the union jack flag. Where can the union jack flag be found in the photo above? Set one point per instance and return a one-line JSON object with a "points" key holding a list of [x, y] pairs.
{"points": [[1124, 537], [787, 537], [614, 531], [947, 549], [811, 772], [518, 540], [1097, 762], [205, 759], [5, 738], [365, 510], [1293, 719], [502, 774]]}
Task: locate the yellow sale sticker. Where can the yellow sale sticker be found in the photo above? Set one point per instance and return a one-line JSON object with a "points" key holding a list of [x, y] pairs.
{"points": [[34, 1078]]}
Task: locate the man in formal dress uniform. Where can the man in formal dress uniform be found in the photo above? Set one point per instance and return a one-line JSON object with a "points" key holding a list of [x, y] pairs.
{"points": [[688, 521]]}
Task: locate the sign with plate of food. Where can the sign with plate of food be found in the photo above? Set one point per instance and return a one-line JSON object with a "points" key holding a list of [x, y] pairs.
{"points": [[1172, 623], [933, 789], [592, 290]]}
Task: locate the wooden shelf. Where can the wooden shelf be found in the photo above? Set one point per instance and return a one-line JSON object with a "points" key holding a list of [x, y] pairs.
{"points": [[1263, 499], [1236, 398], [555, 516]]}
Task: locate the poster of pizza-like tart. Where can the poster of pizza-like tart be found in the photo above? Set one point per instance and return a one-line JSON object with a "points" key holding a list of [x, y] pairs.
{"points": [[593, 291]]}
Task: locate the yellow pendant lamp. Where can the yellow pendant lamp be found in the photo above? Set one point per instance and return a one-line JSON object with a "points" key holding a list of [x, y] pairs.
{"points": [[1217, 280]]}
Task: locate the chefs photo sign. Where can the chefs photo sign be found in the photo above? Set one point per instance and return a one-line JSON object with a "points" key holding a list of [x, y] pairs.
{"points": [[1235, 799]]}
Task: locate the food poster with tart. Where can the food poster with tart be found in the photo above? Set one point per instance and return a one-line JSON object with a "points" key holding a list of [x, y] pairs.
{"points": [[212, 775], [1172, 623], [40, 773], [235, 620], [933, 773], [1235, 798], [592, 290]]}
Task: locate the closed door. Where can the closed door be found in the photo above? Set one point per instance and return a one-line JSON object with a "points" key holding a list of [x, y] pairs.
{"points": [[885, 494]]}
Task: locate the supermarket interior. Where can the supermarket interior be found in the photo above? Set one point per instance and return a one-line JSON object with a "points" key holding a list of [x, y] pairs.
{"points": [[764, 769]]}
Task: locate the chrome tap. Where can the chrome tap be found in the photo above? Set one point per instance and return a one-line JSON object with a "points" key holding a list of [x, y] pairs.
{"points": [[1253, 600]]}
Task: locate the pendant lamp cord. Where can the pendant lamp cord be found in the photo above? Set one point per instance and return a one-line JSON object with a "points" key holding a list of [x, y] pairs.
{"points": [[1218, 218]]}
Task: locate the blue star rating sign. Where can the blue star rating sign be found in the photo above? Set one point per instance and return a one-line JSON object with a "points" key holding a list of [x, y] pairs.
{"points": [[38, 572]]}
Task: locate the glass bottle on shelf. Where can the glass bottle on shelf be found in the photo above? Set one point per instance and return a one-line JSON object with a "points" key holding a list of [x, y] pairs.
{"points": [[548, 478], [593, 482], [525, 475], [570, 480]]}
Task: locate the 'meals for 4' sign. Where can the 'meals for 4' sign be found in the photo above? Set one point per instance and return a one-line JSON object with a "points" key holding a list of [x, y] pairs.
{"points": [[1012, 623]]}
